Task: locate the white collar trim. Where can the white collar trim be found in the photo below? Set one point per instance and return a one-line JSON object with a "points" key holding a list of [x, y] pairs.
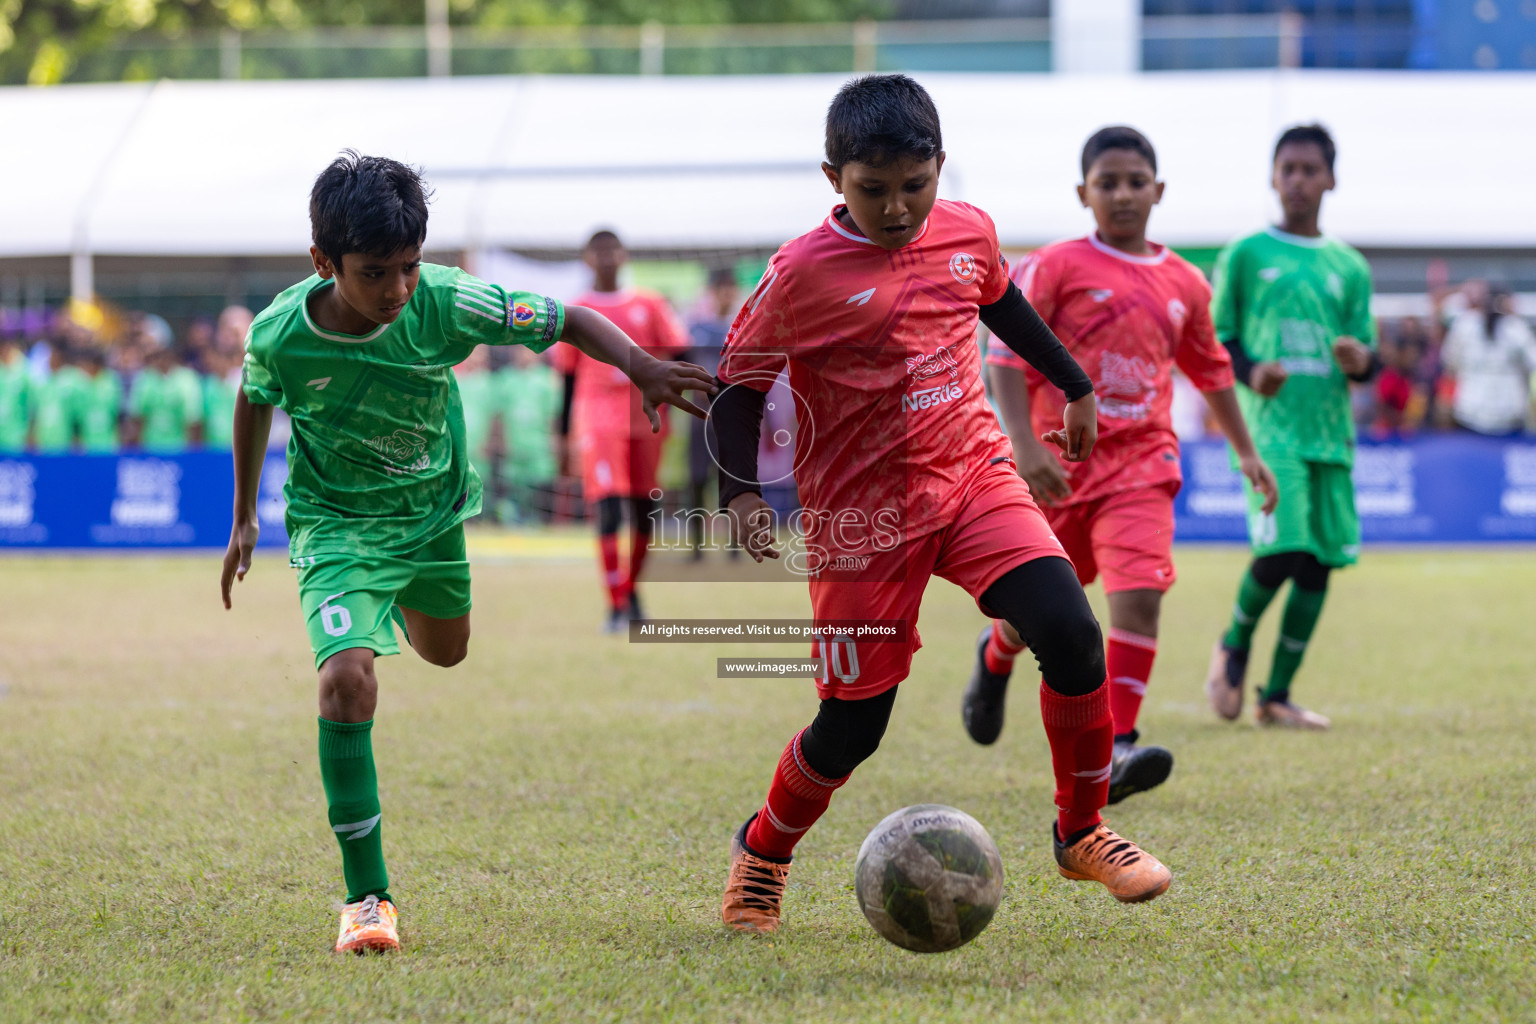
{"points": [[1302, 240], [350, 339], [1145, 261], [835, 226]]}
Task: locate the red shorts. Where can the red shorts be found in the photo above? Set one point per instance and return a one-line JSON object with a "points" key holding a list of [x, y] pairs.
{"points": [[997, 528], [1128, 537], [619, 465]]}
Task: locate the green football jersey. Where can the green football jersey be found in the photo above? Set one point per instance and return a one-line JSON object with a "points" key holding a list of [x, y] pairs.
{"points": [[219, 410], [378, 461], [169, 404], [101, 400], [15, 404], [531, 402], [55, 404], [1289, 299]]}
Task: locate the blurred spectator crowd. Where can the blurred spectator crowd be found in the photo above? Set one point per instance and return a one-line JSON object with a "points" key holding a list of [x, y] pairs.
{"points": [[1470, 365], [88, 381]]}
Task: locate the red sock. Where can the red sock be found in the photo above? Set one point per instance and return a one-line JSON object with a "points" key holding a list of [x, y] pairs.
{"points": [[639, 544], [999, 653], [1129, 657], [796, 798], [1082, 739], [613, 579]]}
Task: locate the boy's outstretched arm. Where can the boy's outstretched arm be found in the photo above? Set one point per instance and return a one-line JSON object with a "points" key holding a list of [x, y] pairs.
{"points": [[1014, 322], [1039, 468], [659, 381], [253, 425], [736, 421], [1223, 403]]}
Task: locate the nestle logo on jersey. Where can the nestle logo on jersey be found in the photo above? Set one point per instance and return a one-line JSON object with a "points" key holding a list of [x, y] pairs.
{"points": [[929, 397]]}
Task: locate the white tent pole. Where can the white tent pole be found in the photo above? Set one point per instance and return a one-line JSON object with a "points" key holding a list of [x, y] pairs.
{"points": [[82, 275]]}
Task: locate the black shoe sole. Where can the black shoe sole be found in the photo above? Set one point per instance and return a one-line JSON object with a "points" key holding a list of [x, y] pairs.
{"points": [[986, 699], [1148, 769]]}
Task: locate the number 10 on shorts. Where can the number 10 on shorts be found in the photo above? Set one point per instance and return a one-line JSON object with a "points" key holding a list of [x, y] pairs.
{"points": [[334, 619]]}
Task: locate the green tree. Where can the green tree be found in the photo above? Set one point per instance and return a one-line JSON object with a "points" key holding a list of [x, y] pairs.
{"points": [[50, 41]]}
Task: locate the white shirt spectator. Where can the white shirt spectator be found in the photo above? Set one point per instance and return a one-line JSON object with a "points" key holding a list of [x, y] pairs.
{"points": [[1493, 375]]}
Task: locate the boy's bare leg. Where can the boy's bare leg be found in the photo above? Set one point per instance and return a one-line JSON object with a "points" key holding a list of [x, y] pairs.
{"points": [[441, 642]]}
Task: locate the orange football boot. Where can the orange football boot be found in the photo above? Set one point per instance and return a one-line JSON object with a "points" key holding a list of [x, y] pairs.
{"points": [[1129, 873], [754, 889], [370, 925]]}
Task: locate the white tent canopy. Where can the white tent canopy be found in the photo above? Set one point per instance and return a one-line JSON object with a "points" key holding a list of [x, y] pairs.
{"points": [[205, 168]]}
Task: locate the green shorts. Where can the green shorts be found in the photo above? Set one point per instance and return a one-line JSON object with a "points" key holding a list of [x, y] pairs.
{"points": [[347, 598], [1316, 513]]}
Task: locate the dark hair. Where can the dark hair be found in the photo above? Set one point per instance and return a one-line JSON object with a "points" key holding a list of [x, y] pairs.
{"points": [[1301, 134], [602, 235], [367, 204], [879, 118], [722, 276], [1117, 136]]}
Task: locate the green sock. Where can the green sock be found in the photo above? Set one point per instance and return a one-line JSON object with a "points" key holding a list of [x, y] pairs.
{"points": [[1302, 610], [352, 793], [1252, 598]]}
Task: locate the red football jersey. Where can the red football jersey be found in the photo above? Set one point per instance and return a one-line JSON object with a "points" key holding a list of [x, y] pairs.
{"points": [[606, 402], [892, 419], [1128, 320]]}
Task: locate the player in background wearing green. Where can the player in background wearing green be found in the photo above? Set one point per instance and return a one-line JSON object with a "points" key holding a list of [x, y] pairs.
{"points": [[101, 403], [221, 387], [531, 396], [56, 404], [166, 404], [477, 393], [15, 396], [360, 355], [1293, 307]]}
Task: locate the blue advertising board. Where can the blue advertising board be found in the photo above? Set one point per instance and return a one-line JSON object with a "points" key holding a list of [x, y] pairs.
{"points": [[1451, 488], [130, 501]]}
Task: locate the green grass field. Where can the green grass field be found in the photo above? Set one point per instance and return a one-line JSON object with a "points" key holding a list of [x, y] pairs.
{"points": [[558, 808]]}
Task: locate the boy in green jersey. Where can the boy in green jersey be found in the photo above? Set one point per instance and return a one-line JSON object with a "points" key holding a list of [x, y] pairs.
{"points": [[360, 356], [15, 396], [221, 385], [531, 395], [56, 402], [101, 400], [166, 403], [1293, 306]]}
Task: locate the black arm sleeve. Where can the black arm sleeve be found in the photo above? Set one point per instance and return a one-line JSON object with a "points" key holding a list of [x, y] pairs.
{"points": [[1242, 363], [735, 427], [1016, 324], [566, 400], [1370, 371]]}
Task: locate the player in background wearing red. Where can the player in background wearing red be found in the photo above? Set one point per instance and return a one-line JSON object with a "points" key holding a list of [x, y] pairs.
{"points": [[617, 449], [1129, 310], [903, 474]]}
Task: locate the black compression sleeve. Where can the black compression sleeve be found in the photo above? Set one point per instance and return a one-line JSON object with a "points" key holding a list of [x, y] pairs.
{"points": [[1242, 363], [568, 397], [736, 423], [1370, 371], [1016, 324]]}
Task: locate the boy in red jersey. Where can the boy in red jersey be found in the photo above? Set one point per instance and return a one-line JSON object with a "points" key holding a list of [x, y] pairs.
{"points": [[1131, 310], [618, 451], [903, 474]]}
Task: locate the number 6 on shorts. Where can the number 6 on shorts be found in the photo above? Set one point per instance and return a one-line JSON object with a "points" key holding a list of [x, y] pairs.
{"points": [[335, 619]]}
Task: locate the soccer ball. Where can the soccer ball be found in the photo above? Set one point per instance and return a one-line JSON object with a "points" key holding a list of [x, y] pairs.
{"points": [[929, 878]]}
